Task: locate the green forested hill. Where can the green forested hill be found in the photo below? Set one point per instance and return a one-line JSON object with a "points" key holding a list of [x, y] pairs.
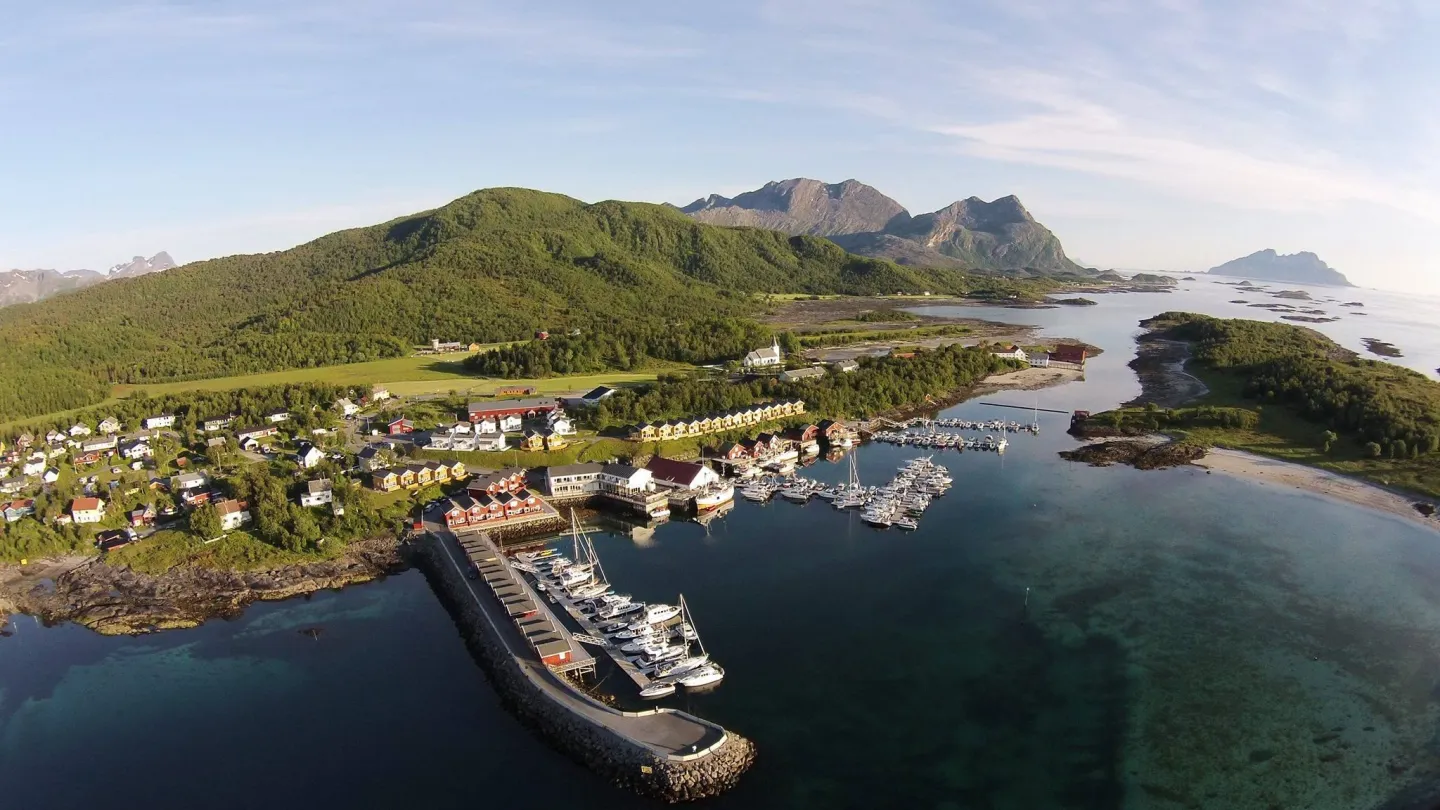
{"points": [[494, 265]]}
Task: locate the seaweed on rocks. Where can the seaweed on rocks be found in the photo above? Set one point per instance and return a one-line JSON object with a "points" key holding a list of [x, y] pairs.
{"points": [[1138, 454]]}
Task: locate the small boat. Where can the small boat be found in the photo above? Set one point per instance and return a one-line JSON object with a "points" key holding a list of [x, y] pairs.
{"points": [[658, 654], [708, 675], [908, 524], [655, 614], [680, 666], [657, 690], [620, 609]]}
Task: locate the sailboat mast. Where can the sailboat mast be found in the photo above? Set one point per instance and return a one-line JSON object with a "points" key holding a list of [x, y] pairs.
{"points": [[687, 619]]}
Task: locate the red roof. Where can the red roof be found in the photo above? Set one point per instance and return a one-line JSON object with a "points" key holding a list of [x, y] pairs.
{"points": [[230, 506], [1068, 353], [85, 505], [676, 472]]}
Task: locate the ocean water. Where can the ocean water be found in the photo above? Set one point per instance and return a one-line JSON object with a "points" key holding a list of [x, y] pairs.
{"points": [[1053, 636]]}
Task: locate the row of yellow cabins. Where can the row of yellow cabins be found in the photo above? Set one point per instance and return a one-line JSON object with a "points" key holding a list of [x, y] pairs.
{"points": [[718, 422], [414, 476]]}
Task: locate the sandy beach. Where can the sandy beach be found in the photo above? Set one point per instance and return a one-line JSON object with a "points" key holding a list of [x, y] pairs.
{"points": [[1028, 379], [1310, 479]]}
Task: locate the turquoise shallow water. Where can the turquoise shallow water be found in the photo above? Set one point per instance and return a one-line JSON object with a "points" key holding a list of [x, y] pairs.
{"points": [[1189, 640]]}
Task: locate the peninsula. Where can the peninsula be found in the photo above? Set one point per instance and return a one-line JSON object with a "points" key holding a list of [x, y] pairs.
{"points": [[1286, 392]]}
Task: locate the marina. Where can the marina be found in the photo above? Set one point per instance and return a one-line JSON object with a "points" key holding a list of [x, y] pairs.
{"points": [[899, 503], [655, 645]]}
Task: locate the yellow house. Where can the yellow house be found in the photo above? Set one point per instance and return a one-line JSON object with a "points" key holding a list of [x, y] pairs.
{"points": [[554, 441], [407, 478], [385, 481], [457, 470], [533, 442]]}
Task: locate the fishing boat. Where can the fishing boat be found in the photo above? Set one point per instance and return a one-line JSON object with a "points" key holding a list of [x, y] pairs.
{"points": [[714, 496]]}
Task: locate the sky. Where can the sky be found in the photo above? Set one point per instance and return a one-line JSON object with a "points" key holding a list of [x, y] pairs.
{"points": [[1148, 134]]}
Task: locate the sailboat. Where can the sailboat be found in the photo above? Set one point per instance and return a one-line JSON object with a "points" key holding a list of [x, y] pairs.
{"points": [[680, 668], [852, 494], [593, 583]]}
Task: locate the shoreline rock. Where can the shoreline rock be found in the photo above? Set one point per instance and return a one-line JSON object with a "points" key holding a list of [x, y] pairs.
{"points": [[1142, 455]]}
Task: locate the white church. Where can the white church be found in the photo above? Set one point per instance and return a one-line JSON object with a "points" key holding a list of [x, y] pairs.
{"points": [[764, 358]]}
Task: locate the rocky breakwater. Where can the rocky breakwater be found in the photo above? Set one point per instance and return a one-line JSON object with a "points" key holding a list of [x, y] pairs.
{"points": [[115, 600], [569, 720]]}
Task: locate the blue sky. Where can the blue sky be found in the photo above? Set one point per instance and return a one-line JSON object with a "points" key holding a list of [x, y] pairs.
{"points": [[1171, 134]]}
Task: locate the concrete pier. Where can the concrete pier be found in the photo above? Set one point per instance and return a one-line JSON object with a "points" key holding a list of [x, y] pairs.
{"points": [[660, 753]]}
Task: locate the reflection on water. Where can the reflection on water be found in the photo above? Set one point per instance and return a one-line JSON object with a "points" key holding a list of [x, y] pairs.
{"points": [[1187, 640]]}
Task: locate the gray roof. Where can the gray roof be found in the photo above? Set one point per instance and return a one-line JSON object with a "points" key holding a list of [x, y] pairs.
{"points": [[525, 403], [318, 485], [620, 470], [516, 608], [552, 648], [574, 469]]}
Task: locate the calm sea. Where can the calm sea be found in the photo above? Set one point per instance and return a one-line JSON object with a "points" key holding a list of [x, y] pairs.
{"points": [[1053, 636]]}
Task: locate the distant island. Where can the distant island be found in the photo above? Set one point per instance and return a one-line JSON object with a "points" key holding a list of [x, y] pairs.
{"points": [[1075, 302], [1303, 268]]}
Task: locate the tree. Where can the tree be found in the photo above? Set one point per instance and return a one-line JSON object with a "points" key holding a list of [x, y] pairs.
{"points": [[1326, 439], [205, 522], [1373, 449]]}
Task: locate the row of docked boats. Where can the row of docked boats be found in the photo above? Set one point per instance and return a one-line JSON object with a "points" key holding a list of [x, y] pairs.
{"points": [[658, 639], [941, 440], [898, 503], [976, 425]]}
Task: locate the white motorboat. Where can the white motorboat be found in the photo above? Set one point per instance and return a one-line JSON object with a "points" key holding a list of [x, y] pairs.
{"points": [[658, 654], [590, 590], [708, 675], [536, 556], [655, 614], [648, 643], [629, 634], [658, 690], [660, 512], [714, 497], [908, 524], [619, 609]]}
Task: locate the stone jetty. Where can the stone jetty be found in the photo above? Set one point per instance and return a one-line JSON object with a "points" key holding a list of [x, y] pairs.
{"points": [[660, 753]]}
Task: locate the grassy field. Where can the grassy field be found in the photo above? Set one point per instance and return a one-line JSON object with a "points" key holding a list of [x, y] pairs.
{"points": [[237, 551]]}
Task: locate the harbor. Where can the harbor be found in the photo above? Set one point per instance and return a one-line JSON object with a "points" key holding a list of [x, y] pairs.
{"points": [[898, 503]]}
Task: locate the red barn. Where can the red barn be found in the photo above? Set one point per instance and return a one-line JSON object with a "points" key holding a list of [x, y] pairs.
{"points": [[1068, 353], [399, 426]]}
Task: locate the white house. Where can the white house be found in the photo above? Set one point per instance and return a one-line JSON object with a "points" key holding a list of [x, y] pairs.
{"points": [[1039, 359], [137, 450], [490, 442], [673, 474], [487, 425], [626, 478], [34, 467], [233, 514], [846, 366], [460, 428], [562, 426], [1012, 352], [78, 429], [164, 420], [764, 358], [308, 456], [87, 510], [510, 423], [184, 482], [346, 407], [109, 425], [278, 416], [106, 443], [317, 493], [440, 441], [50, 476]]}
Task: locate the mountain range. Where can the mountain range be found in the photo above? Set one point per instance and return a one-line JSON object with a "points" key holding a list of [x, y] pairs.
{"points": [[1267, 265], [494, 265], [28, 286], [969, 234]]}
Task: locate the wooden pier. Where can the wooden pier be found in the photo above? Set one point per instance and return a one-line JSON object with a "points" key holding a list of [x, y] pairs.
{"points": [[590, 628]]}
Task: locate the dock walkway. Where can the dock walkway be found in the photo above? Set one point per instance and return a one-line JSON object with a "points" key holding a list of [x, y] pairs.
{"points": [[669, 733], [591, 628]]}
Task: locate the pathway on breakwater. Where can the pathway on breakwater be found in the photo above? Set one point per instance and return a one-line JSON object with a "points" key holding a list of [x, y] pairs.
{"points": [[665, 732]]}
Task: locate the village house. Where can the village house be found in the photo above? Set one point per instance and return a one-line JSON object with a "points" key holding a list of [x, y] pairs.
{"points": [[134, 451], [573, 480], [533, 442], [275, 417], [671, 474], [113, 539], [308, 456], [17, 509], [554, 440], [33, 467], [807, 437], [522, 408], [233, 514], [798, 374], [79, 429], [560, 423], [461, 428], [51, 437], [255, 433], [1069, 354], [510, 479], [595, 395], [515, 391], [215, 441], [185, 482], [1011, 352], [87, 510], [317, 493], [400, 426], [50, 476], [835, 433], [109, 425], [103, 444], [490, 442], [143, 517], [163, 420], [12, 486], [768, 357], [24, 440], [346, 407], [714, 423], [845, 366], [379, 393], [373, 457], [86, 459], [414, 476], [218, 423]]}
